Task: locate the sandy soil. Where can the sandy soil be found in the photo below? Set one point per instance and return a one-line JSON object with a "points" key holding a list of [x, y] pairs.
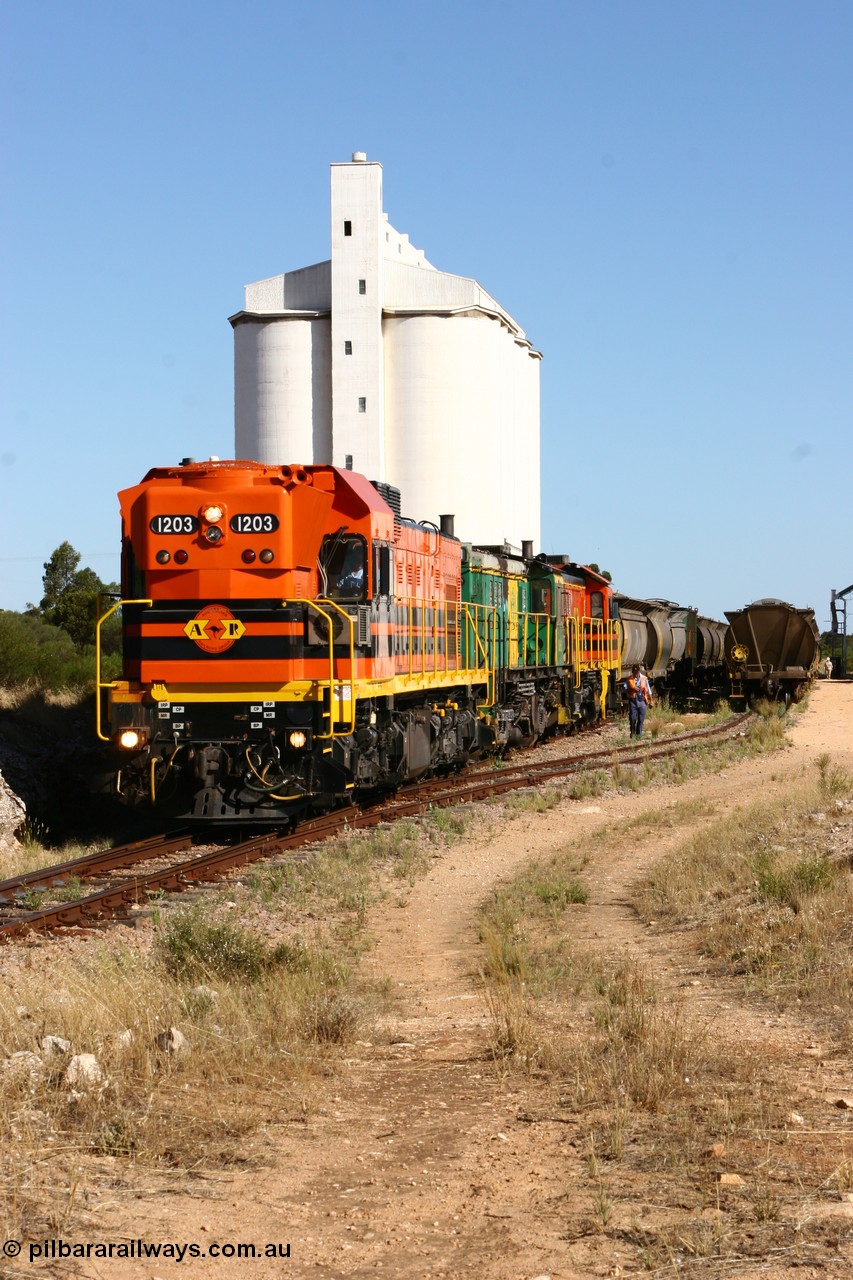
{"points": [[421, 1159]]}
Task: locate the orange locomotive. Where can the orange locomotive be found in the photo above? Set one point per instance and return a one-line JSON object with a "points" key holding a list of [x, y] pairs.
{"points": [[289, 640]]}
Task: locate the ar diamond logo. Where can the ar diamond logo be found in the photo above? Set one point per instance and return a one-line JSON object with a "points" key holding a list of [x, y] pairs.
{"points": [[214, 628]]}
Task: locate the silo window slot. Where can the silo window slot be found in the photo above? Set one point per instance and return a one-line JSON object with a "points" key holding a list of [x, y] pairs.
{"points": [[362, 404], [347, 347], [347, 228], [362, 286]]}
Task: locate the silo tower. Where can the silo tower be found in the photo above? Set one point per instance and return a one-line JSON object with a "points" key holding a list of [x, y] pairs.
{"points": [[416, 376]]}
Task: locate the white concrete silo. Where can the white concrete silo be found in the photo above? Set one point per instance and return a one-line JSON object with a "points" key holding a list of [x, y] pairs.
{"points": [[419, 376], [474, 438], [278, 411]]}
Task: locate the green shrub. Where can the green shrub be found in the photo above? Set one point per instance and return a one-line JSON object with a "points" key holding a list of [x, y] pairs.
{"points": [[560, 892], [193, 946], [34, 653]]}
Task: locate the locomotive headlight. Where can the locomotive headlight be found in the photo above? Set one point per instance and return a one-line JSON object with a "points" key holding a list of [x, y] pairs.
{"points": [[297, 739], [130, 739], [211, 514], [163, 557], [214, 533]]}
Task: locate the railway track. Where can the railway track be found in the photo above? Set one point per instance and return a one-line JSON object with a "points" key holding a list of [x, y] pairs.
{"points": [[142, 870]]}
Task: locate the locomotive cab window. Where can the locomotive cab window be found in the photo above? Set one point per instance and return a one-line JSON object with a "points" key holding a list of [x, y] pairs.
{"points": [[344, 561], [382, 570], [596, 604]]}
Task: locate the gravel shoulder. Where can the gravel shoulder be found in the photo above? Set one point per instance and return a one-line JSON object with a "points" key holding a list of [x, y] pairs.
{"points": [[419, 1159]]}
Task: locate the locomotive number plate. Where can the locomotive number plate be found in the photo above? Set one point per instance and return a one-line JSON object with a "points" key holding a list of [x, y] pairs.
{"points": [[173, 524], [253, 522]]}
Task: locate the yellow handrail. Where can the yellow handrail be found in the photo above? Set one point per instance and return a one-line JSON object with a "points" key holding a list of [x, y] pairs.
{"points": [[451, 610], [99, 683], [420, 659], [573, 645], [535, 619], [333, 684], [489, 615], [603, 642]]}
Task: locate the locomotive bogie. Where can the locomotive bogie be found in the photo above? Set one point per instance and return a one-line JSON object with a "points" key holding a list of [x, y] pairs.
{"points": [[227, 764]]}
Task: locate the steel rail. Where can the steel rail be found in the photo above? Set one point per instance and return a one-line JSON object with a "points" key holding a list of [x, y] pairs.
{"points": [[93, 864], [440, 795], [96, 907], [630, 752]]}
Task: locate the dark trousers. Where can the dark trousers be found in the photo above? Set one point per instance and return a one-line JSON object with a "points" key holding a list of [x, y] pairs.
{"points": [[636, 716]]}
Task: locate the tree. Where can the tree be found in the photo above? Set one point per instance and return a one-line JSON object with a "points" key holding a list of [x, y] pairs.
{"points": [[605, 573], [58, 577], [70, 595]]}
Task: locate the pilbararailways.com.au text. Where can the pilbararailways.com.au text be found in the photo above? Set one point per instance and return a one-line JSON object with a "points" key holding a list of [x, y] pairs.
{"points": [[43, 1250]]}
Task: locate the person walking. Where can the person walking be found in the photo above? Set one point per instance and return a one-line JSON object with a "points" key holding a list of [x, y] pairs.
{"points": [[827, 667], [639, 698]]}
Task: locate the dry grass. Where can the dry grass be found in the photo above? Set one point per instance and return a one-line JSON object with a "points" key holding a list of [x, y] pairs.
{"points": [[656, 1103], [506, 999], [770, 894], [263, 982], [259, 1022], [662, 720], [261, 979], [41, 706], [32, 853], [763, 733], [532, 800], [660, 1107], [634, 1051]]}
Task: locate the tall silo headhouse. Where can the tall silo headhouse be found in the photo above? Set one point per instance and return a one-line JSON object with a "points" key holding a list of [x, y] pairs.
{"points": [[412, 376]]}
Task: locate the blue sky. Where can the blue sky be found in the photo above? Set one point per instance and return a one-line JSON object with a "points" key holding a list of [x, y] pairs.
{"points": [[659, 191]]}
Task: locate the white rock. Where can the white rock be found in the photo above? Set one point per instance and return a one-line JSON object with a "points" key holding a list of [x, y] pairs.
{"points": [[172, 1041], [24, 1063], [84, 1069], [12, 814], [55, 1045]]}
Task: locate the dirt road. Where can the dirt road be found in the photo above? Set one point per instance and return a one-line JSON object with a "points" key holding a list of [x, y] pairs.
{"points": [[421, 1161]]}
